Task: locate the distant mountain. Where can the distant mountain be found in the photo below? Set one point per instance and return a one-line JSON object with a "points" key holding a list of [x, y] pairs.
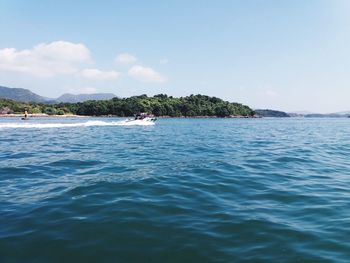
{"points": [[320, 115], [301, 112], [330, 115], [25, 95], [293, 114], [271, 113], [343, 113], [71, 98]]}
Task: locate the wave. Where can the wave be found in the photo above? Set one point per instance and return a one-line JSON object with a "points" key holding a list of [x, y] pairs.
{"points": [[77, 124]]}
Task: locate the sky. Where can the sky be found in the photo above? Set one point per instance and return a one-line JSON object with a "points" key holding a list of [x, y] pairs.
{"points": [[283, 55]]}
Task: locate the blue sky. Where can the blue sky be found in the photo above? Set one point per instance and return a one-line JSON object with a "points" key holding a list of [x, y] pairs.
{"points": [[287, 55]]}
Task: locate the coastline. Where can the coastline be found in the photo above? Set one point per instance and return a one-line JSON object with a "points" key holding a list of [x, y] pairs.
{"points": [[114, 116], [41, 116]]}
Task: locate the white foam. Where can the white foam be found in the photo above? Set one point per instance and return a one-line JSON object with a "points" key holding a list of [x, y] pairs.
{"points": [[77, 124]]}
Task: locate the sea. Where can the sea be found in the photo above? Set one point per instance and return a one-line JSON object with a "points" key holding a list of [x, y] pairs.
{"points": [[182, 190]]}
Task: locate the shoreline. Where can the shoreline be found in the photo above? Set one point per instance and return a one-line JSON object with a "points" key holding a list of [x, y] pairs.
{"points": [[40, 116], [114, 116]]}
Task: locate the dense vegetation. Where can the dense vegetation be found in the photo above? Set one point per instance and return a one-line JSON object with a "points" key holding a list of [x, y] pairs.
{"points": [[11, 106], [159, 105], [271, 113]]}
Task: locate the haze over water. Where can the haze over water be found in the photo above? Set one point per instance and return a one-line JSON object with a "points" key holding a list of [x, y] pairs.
{"points": [[183, 190]]}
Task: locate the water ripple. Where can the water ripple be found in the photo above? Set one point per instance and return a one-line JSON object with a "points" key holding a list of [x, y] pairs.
{"points": [[184, 190]]}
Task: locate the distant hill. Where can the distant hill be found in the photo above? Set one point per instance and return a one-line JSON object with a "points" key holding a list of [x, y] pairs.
{"points": [[330, 115], [301, 113], [71, 98], [25, 95], [271, 113], [342, 114]]}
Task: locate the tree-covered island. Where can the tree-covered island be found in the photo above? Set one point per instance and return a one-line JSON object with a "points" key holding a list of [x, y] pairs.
{"points": [[158, 105]]}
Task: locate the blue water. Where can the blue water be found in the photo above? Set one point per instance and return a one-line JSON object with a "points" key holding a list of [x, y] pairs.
{"points": [[183, 190]]}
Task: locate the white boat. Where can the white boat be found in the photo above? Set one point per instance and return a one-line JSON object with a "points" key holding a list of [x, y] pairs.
{"points": [[142, 118]]}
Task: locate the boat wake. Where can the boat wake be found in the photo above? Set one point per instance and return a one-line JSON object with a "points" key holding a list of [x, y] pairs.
{"points": [[77, 124]]}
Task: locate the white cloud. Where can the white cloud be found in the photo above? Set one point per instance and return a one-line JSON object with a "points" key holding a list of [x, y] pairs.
{"points": [[125, 59], [45, 60], [97, 74], [146, 74], [67, 58], [63, 50]]}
